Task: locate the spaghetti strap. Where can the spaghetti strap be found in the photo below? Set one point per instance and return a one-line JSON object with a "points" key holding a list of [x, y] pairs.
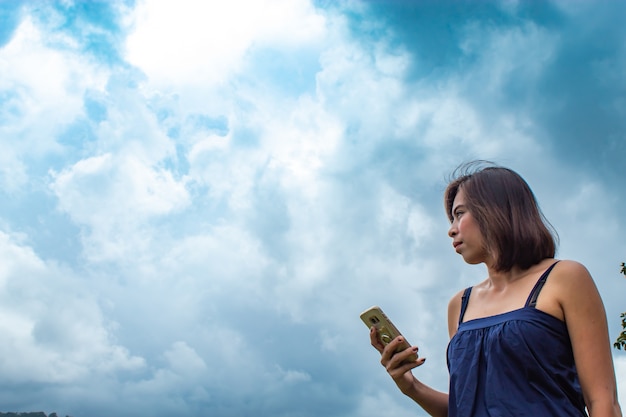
{"points": [[534, 294], [464, 301]]}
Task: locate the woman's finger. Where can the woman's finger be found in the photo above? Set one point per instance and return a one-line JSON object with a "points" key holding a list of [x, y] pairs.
{"points": [[375, 340], [390, 350]]}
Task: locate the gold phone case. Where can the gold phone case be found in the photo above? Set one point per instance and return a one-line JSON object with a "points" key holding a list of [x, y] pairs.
{"points": [[374, 316]]}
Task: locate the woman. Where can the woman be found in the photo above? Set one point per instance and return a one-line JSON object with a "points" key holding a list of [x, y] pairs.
{"points": [[532, 338]]}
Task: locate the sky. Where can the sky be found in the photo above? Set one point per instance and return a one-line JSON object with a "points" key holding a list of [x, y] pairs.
{"points": [[199, 198]]}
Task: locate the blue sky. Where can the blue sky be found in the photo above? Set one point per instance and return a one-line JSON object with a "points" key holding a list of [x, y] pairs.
{"points": [[199, 198]]}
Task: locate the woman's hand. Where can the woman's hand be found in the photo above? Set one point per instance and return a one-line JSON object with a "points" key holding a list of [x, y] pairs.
{"points": [[397, 364]]}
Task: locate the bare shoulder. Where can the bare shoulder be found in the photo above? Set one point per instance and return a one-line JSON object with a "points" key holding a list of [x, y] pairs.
{"points": [[575, 289], [454, 306], [572, 267], [587, 326], [571, 275], [568, 289], [454, 310]]}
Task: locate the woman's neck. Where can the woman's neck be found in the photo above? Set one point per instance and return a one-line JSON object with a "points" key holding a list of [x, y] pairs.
{"points": [[500, 279]]}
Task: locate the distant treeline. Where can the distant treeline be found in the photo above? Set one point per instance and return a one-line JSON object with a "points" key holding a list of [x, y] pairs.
{"points": [[35, 414]]}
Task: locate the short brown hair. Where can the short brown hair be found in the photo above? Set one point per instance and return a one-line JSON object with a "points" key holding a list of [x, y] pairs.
{"points": [[515, 230]]}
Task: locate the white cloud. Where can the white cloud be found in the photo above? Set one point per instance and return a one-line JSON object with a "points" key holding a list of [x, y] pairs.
{"points": [[301, 139], [115, 197], [222, 260], [54, 329], [225, 262], [185, 362], [204, 42], [353, 73], [123, 188], [400, 217], [291, 376], [65, 71], [504, 52], [32, 117], [371, 404]]}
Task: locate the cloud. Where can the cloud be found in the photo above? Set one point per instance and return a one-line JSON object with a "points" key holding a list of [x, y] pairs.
{"points": [[56, 333], [113, 199], [31, 115], [201, 199], [216, 36]]}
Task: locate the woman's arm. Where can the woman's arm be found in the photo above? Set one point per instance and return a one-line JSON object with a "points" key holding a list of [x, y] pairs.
{"points": [[432, 401], [585, 318]]}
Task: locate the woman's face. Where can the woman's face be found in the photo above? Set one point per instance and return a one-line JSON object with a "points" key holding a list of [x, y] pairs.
{"points": [[467, 239]]}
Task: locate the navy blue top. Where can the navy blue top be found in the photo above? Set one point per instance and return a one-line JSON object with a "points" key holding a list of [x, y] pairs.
{"points": [[515, 364]]}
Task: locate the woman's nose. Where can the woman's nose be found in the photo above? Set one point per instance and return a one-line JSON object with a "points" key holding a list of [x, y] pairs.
{"points": [[452, 230]]}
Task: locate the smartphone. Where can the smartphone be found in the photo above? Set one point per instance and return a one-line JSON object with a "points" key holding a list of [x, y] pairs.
{"points": [[374, 316]]}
